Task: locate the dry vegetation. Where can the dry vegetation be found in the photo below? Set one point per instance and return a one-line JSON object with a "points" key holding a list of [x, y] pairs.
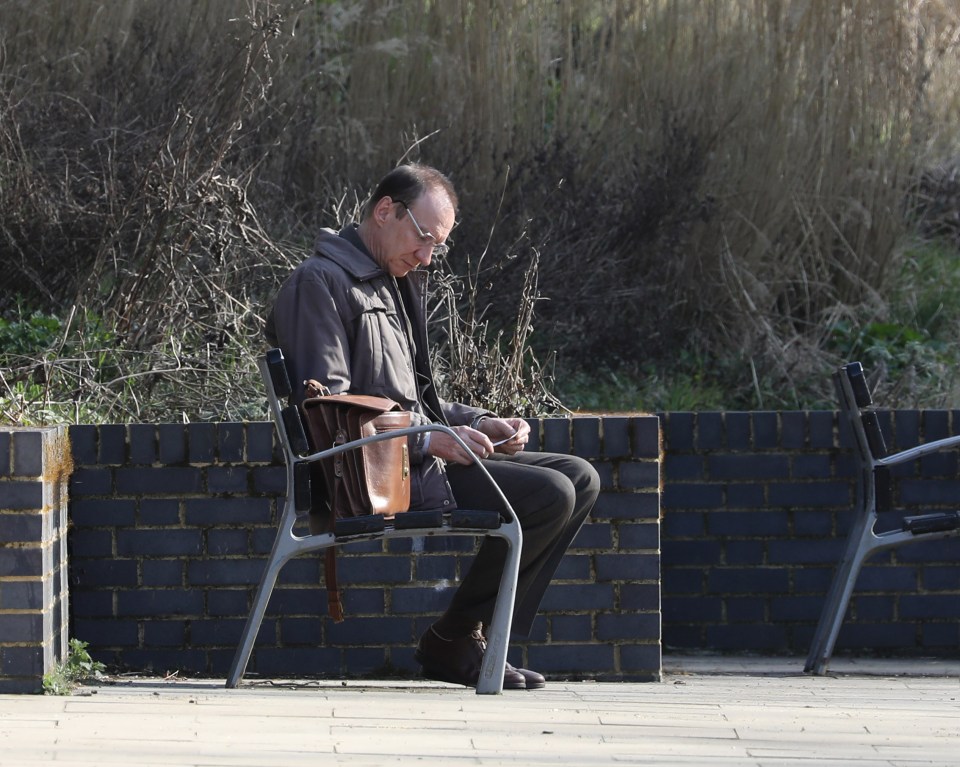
{"points": [[696, 203]]}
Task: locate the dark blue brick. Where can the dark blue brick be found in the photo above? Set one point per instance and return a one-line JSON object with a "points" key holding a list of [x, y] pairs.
{"points": [[586, 436], [202, 442], [19, 562], [945, 550], [90, 604], [724, 467], [358, 631], [682, 637], [747, 636], [627, 567], [692, 495], [365, 660], [811, 467], [646, 437], [418, 600], [939, 465], [159, 543], [696, 552], [21, 595], [172, 443], [102, 633], [639, 475], [22, 661], [158, 661], [696, 609], [269, 480], [23, 527], [230, 442], [765, 431], [293, 631], [103, 513], [805, 552], [745, 610], [793, 426], [935, 425], [219, 632], [5, 442], [873, 578], [678, 434], [260, 442], [744, 552], [574, 568], [929, 606], [159, 602], [876, 635], [709, 431], [220, 511], [302, 571], [91, 543], [634, 626], [164, 633], [604, 470], [738, 431], [23, 494], [224, 572], [143, 444], [573, 658], [643, 661], [159, 511], [929, 492], [589, 597], [86, 573], [787, 608], [381, 569], [228, 602], [616, 437], [684, 580], [821, 429], [359, 601], [750, 580], [626, 506], [748, 523], [83, 444], [27, 454], [799, 494], [164, 481], [227, 479], [163, 572], [295, 661], [746, 496], [873, 608], [640, 596], [907, 428], [433, 568], [677, 468], [89, 482], [556, 435], [221, 542], [941, 578], [683, 524], [941, 635], [593, 535], [639, 536], [113, 444], [297, 601], [571, 628]]}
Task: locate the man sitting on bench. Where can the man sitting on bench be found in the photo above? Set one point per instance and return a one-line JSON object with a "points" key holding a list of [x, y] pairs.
{"points": [[353, 317]]}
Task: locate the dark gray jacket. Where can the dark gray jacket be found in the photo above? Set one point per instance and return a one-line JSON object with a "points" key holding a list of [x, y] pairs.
{"points": [[340, 319]]}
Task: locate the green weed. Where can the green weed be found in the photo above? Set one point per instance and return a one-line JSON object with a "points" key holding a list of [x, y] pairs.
{"points": [[78, 667]]}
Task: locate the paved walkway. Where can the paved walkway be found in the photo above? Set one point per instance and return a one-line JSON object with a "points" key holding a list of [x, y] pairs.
{"points": [[707, 711]]}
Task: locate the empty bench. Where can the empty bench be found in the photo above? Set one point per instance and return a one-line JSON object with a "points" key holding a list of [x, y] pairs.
{"points": [[874, 495]]}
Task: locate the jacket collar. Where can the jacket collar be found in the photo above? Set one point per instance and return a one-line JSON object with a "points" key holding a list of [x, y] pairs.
{"points": [[347, 250]]}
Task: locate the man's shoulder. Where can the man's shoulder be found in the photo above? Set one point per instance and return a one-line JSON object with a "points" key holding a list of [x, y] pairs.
{"points": [[334, 255]]}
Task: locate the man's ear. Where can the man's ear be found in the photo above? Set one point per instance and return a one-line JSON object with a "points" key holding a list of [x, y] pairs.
{"points": [[382, 210]]}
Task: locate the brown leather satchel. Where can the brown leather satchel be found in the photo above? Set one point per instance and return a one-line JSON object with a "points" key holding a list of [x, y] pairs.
{"points": [[372, 479]]}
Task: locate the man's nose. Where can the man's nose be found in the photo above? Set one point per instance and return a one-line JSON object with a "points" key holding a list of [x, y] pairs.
{"points": [[425, 254]]}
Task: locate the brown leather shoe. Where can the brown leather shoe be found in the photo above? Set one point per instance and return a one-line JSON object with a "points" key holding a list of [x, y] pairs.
{"points": [[534, 680], [458, 660]]}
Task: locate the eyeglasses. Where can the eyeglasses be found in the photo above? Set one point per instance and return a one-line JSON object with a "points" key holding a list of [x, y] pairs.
{"points": [[440, 249]]}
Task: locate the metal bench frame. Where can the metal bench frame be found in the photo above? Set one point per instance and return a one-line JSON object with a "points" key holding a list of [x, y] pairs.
{"points": [[873, 495], [297, 502]]}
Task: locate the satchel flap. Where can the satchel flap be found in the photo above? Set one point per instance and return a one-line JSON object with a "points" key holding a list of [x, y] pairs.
{"points": [[365, 401]]}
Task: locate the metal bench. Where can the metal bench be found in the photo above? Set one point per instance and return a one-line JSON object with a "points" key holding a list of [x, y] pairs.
{"points": [[874, 495], [297, 503]]}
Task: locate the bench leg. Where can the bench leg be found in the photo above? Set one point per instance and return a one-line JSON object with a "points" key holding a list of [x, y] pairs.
{"points": [[498, 632]]}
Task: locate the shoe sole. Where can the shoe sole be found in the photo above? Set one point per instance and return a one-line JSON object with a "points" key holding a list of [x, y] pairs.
{"points": [[440, 676]]}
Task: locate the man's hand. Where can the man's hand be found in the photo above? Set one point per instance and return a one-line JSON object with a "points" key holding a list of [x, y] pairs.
{"points": [[507, 435], [503, 435]]}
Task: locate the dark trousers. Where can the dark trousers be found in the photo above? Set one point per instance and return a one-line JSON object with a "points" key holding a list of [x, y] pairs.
{"points": [[552, 495]]}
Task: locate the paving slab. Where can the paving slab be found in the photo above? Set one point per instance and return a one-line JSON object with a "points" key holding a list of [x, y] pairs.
{"points": [[707, 710]]}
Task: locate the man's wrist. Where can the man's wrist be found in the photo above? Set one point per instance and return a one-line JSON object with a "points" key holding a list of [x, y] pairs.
{"points": [[475, 423]]}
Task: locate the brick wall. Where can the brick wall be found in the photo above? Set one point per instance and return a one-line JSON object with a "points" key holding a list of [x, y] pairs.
{"points": [[34, 468], [172, 524], [756, 507]]}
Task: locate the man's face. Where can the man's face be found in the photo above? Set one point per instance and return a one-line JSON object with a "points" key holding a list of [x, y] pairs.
{"points": [[405, 239]]}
